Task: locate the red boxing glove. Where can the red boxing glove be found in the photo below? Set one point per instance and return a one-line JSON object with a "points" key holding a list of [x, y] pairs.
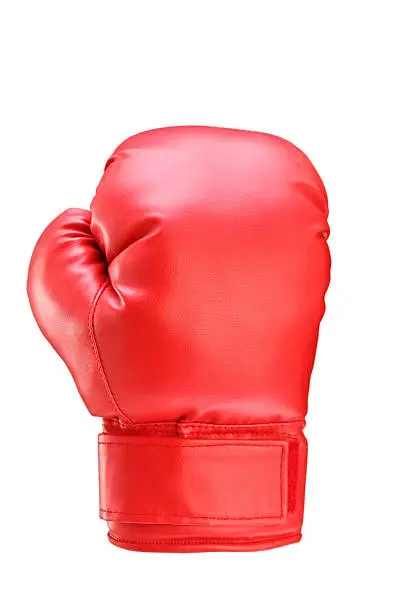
{"points": [[186, 305]]}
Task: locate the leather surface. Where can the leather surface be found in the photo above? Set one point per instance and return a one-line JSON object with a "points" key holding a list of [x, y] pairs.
{"points": [[187, 305]]}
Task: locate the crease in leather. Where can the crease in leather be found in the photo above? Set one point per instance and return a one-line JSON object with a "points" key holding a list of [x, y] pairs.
{"points": [[91, 327]]}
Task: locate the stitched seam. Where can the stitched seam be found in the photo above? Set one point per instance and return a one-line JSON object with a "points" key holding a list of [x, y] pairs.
{"points": [[283, 464], [149, 445], [218, 436], [204, 425], [208, 540], [194, 516], [198, 424], [91, 328], [189, 430]]}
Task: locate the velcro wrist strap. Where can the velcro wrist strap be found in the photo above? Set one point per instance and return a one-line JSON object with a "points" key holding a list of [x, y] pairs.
{"points": [[176, 481]]}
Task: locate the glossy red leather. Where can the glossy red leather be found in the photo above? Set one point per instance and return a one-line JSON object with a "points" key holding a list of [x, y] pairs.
{"points": [[186, 305]]}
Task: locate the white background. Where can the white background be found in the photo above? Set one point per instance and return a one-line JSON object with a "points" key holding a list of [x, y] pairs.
{"points": [[79, 77]]}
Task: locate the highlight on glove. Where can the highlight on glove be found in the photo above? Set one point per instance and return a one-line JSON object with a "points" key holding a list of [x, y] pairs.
{"points": [[186, 304]]}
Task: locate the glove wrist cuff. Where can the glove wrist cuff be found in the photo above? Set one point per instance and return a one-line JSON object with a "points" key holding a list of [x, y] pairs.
{"points": [[230, 492]]}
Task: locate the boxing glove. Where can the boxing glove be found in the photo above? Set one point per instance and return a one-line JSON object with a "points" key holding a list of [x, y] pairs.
{"points": [[186, 304]]}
